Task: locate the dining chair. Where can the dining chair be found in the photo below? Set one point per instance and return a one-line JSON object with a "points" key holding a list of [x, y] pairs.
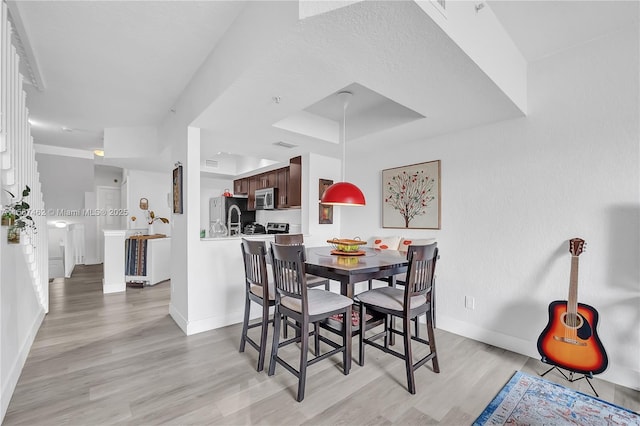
{"points": [[312, 280], [306, 306], [408, 303], [298, 239], [401, 280], [258, 289]]}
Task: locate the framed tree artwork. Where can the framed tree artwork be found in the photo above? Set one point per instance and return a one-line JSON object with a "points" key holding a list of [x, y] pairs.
{"points": [[411, 196], [325, 213]]}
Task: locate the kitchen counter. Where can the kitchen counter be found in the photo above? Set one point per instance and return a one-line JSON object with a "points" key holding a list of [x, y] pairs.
{"points": [[239, 237], [220, 282]]}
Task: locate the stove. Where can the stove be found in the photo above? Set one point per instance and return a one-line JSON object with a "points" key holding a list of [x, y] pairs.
{"points": [[277, 228], [254, 228]]}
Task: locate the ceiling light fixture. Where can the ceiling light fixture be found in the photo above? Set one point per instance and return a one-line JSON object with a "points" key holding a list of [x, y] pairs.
{"points": [[61, 224], [98, 152], [343, 193], [285, 144]]}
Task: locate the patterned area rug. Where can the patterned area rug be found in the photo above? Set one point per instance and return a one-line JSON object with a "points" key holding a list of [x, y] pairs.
{"points": [[528, 400]]}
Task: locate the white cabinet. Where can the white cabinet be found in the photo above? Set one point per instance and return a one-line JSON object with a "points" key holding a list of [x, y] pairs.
{"points": [[158, 263], [117, 258]]}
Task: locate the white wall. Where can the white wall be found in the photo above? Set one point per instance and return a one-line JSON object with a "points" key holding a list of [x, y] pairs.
{"points": [[153, 186], [21, 316], [108, 176], [315, 167], [64, 181], [514, 193], [248, 40], [68, 185], [129, 142], [494, 52]]}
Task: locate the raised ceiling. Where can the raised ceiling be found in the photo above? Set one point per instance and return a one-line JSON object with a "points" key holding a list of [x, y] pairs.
{"points": [[114, 64]]}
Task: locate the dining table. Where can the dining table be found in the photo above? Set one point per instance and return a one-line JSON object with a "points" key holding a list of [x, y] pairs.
{"points": [[351, 268]]}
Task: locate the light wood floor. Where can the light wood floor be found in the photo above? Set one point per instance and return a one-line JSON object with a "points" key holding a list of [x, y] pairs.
{"points": [[120, 359]]}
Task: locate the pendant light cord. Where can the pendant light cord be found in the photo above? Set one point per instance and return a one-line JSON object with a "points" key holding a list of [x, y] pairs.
{"points": [[345, 97], [344, 142]]}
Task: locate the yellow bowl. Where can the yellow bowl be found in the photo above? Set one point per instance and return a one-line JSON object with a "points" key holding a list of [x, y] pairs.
{"points": [[347, 248], [346, 245]]}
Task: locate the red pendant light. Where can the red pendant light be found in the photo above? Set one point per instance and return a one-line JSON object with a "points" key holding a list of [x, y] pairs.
{"points": [[343, 193]]}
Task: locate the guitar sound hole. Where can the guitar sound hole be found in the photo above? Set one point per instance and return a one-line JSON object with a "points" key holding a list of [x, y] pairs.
{"points": [[572, 320]]}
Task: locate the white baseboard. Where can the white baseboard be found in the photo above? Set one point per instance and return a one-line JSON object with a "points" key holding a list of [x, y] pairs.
{"points": [[178, 318], [16, 369], [619, 375], [113, 287], [206, 324], [212, 323]]}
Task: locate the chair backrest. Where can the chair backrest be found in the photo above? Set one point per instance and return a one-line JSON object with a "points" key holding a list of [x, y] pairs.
{"points": [[255, 265], [289, 271], [421, 270], [289, 239]]}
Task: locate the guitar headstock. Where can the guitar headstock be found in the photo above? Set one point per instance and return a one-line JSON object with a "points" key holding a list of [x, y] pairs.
{"points": [[576, 246]]}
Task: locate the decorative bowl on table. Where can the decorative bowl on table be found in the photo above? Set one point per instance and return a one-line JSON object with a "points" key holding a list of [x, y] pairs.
{"points": [[347, 246]]}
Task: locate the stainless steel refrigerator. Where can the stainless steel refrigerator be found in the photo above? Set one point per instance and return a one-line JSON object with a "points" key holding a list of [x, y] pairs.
{"points": [[220, 208]]}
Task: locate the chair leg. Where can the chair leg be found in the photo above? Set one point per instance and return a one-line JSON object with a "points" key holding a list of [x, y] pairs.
{"points": [[285, 328], [304, 348], [316, 338], [432, 342], [406, 325], [263, 336], [327, 286], [387, 333], [277, 319], [346, 342], [245, 323], [370, 284], [417, 320], [361, 335]]}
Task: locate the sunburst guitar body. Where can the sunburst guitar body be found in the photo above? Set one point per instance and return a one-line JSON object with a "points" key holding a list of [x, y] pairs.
{"points": [[570, 339]]}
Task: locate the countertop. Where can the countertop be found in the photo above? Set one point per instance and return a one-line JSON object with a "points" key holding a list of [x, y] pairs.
{"points": [[238, 237]]}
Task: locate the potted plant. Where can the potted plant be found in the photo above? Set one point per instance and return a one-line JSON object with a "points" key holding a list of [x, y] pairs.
{"points": [[16, 216], [7, 217], [151, 218]]}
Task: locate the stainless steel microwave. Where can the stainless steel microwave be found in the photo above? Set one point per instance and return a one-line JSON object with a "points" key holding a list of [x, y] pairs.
{"points": [[266, 198]]}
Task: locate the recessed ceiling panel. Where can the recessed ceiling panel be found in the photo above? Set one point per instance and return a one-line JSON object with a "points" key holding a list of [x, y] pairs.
{"points": [[367, 112]]}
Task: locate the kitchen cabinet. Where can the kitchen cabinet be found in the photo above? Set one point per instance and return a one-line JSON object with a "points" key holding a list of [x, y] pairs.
{"points": [[241, 186], [288, 180], [294, 187], [283, 185], [267, 180], [253, 185]]}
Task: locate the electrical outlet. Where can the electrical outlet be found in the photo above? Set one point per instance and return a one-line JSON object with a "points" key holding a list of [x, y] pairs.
{"points": [[469, 302]]}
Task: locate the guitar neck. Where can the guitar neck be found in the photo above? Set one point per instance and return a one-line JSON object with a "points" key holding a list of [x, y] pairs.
{"points": [[572, 301]]}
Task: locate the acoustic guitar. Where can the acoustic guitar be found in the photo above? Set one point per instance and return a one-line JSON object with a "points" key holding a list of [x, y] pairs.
{"points": [[570, 340]]}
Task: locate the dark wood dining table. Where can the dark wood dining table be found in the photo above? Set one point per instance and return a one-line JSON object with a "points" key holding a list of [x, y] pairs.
{"points": [[352, 269]]}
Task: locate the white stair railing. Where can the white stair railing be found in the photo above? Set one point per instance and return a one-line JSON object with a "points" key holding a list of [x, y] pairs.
{"points": [[18, 162]]}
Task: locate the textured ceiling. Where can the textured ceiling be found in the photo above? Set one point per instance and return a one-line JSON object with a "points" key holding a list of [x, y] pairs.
{"points": [[391, 48], [107, 64], [542, 28], [120, 63]]}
